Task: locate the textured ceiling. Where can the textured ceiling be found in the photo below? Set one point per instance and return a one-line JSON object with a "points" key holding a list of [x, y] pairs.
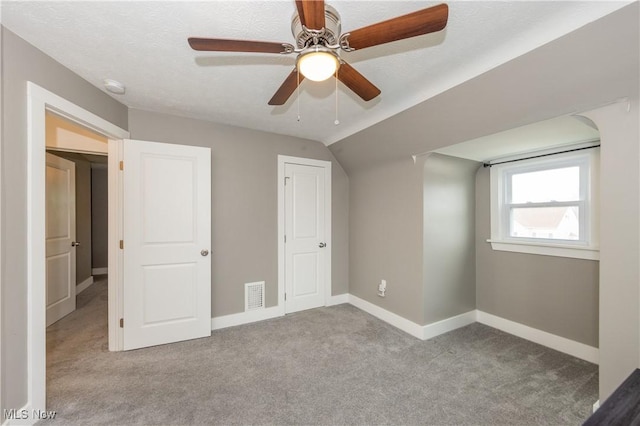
{"points": [[144, 45], [553, 133]]}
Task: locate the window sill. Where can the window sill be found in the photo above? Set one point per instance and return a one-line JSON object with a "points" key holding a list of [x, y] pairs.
{"points": [[559, 250]]}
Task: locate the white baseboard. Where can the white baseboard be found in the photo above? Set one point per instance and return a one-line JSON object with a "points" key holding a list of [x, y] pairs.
{"points": [[395, 320], [84, 285], [562, 344], [263, 314], [338, 299], [448, 324], [99, 271], [422, 332], [246, 317], [596, 405]]}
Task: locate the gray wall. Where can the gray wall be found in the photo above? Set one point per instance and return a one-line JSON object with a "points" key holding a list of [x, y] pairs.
{"points": [[413, 224], [385, 236], [558, 295], [99, 217], [619, 238], [83, 220], [22, 62], [449, 237], [244, 202]]}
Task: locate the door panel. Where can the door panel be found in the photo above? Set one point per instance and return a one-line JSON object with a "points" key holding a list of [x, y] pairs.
{"points": [[168, 197], [60, 232], [58, 271], [176, 283], [167, 223], [305, 273], [306, 191], [305, 231]]}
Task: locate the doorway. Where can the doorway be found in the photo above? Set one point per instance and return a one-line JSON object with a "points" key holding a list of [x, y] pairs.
{"points": [[39, 102], [304, 233], [73, 151], [84, 230]]}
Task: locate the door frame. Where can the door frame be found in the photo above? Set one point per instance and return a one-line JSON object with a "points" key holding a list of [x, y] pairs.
{"points": [[40, 100], [282, 160]]}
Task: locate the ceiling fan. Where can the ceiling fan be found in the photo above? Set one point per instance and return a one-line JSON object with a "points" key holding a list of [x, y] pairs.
{"points": [[316, 29]]}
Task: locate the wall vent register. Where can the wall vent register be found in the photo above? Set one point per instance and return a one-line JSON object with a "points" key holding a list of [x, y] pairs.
{"points": [[254, 296]]}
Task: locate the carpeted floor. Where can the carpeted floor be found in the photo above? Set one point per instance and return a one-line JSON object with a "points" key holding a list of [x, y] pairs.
{"points": [[327, 366]]}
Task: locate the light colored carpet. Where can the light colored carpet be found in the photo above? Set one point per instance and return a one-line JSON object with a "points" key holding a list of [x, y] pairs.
{"points": [[328, 366]]}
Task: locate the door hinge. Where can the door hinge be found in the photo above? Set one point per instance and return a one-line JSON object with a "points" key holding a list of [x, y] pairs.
{"points": [[121, 165], [121, 322], [121, 245], [285, 238], [285, 297], [285, 179]]}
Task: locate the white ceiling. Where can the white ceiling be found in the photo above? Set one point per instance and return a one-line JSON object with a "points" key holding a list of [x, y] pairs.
{"points": [[144, 45], [553, 133]]}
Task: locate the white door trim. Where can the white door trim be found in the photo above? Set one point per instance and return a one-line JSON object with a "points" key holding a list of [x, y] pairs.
{"points": [[38, 101], [282, 160], [115, 263]]}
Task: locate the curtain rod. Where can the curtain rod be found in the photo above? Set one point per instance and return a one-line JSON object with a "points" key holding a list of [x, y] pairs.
{"points": [[539, 156]]}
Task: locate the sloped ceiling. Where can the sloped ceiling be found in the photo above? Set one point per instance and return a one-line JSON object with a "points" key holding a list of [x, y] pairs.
{"points": [[143, 45], [595, 65], [553, 133]]}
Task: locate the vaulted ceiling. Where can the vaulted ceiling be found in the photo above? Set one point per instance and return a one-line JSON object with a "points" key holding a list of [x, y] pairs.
{"points": [[144, 46]]}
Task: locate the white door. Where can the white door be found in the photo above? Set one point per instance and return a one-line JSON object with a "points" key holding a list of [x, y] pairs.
{"points": [[167, 237], [305, 246], [60, 234]]}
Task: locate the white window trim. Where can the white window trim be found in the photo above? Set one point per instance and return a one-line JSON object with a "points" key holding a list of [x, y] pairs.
{"points": [[586, 249]]}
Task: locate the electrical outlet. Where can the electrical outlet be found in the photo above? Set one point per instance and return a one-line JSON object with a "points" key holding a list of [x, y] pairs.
{"points": [[382, 288]]}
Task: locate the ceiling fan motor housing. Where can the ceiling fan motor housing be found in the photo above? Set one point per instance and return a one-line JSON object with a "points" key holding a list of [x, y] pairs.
{"points": [[330, 35]]}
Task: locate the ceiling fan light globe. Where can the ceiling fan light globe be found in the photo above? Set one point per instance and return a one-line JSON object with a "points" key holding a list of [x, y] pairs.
{"points": [[318, 66]]}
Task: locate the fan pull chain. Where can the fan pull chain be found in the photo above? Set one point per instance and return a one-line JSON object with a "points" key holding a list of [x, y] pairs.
{"points": [[298, 91], [337, 121]]}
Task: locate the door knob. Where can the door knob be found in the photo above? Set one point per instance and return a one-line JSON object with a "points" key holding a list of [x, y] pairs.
{"points": [[204, 252], [322, 245], [75, 243]]}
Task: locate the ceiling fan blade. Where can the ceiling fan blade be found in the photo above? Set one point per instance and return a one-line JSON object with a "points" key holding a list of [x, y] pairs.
{"points": [[414, 24], [286, 90], [311, 13], [224, 45], [357, 82]]}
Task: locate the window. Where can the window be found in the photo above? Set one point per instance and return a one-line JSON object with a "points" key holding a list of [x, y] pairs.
{"points": [[546, 205]]}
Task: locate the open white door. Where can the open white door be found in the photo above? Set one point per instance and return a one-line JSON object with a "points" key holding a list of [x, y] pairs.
{"points": [[167, 237], [60, 234], [305, 234]]}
